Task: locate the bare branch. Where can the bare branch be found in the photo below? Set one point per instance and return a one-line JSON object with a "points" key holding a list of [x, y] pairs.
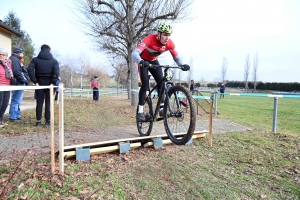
{"points": [[224, 69], [246, 72], [255, 69]]}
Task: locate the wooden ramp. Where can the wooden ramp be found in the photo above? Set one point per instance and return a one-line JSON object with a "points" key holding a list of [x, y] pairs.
{"points": [[113, 145]]}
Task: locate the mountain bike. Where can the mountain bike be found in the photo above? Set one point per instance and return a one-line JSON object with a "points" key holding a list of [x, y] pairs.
{"points": [[179, 122]]}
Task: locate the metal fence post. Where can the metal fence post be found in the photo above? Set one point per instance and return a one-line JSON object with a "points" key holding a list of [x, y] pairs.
{"points": [[275, 114], [216, 103]]}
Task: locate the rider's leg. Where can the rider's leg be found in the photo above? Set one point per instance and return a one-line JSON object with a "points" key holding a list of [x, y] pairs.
{"points": [[142, 93], [157, 75], [144, 85]]}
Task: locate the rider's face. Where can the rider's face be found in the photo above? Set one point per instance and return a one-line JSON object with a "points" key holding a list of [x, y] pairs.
{"points": [[164, 37]]}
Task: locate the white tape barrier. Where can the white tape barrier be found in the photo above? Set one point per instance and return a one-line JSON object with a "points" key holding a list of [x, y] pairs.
{"points": [[13, 87]]}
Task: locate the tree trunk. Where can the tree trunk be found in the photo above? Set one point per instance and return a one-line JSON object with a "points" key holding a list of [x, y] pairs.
{"points": [[128, 81], [134, 82], [133, 67]]}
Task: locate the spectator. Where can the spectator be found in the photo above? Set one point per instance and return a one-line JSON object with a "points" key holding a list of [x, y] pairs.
{"points": [[6, 75], [43, 71], [192, 87], [222, 90], [95, 86], [56, 89], [21, 76]]}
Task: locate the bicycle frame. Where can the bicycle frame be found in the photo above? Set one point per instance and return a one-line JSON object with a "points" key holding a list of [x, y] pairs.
{"points": [[163, 93]]}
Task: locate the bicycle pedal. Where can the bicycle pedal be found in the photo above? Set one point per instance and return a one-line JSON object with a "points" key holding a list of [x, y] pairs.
{"points": [[149, 117]]}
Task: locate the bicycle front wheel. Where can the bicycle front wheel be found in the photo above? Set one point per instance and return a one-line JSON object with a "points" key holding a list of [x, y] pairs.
{"points": [[145, 128], [180, 120]]}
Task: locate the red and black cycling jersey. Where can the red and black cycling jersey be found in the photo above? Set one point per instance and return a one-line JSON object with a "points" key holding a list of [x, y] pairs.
{"points": [[150, 48]]}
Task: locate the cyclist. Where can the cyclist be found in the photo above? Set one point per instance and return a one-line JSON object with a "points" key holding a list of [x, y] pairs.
{"points": [[147, 53]]}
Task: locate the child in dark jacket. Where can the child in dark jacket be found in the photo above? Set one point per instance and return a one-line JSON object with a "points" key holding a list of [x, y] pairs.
{"points": [[222, 90]]}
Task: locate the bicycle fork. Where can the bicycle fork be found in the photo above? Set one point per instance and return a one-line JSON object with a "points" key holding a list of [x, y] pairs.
{"points": [[167, 98]]}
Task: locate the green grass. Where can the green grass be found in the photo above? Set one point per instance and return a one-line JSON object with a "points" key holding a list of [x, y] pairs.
{"points": [[257, 112], [256, 164]]}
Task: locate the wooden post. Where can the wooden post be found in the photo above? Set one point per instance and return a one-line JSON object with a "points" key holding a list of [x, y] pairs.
{"points": [[58, 98], [52, 129], [210, 119], [61, 127]]}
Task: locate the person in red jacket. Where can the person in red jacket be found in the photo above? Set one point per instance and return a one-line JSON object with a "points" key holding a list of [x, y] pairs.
{"points": [[95, 86], [6, 75]]}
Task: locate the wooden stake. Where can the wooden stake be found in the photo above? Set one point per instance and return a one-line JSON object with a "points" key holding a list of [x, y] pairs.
{"points": [[52, 129], [61, 128]]}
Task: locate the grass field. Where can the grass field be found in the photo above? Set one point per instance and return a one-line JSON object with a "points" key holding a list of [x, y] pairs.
{"points": [[243, 165], [257, 112]]}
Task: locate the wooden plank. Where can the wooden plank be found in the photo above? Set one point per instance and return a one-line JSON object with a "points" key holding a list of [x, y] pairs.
{"points": [[150, 144], [168, 141], [200, 133], [108, 149]]}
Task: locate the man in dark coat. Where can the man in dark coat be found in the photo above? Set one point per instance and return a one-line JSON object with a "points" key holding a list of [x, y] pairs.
{"points": [[43, 70]]}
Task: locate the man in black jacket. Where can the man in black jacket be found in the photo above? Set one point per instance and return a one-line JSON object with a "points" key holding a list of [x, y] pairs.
{"points": [[43, 70], [21, 76]]}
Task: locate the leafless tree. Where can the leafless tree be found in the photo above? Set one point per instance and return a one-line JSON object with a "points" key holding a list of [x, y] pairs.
{"points": [[254, 72], [99, 71], [117, 26], [224, 69], [246, 72], [202, 79], [76, 72], [68, 71], [120, 71]]}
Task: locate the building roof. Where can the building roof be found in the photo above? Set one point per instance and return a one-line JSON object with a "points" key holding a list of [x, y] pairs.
{"points": [[9, 29]]}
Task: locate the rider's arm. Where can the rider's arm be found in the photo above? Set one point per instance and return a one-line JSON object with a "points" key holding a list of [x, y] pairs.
{"points": [[175, 55], [139, 49], [136, 55], [178, 60]]}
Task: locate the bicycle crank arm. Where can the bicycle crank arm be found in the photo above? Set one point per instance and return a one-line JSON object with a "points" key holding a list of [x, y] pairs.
{"points": [[158, 119]]}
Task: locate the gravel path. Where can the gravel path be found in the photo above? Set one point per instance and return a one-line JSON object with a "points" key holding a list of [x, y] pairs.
{"points": [[41, 141]]}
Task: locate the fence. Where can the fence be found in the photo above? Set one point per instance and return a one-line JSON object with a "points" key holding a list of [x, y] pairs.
{"points": [[275, 96], [77, 92]]}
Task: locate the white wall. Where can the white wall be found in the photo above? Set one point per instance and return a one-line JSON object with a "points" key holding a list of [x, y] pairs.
{"points": [[5, 42]]}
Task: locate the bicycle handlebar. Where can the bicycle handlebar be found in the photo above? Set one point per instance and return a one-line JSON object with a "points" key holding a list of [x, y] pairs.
{"points": [[166, 66]]}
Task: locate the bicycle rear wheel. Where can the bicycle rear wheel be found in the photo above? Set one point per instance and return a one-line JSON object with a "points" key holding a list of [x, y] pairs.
{"points": [[145, 128], [180, 120]]}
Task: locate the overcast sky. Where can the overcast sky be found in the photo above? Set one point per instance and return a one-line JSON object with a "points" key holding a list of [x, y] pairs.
{"points": [[230, 28]]}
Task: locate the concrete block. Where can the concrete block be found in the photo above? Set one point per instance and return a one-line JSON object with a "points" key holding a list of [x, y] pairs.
{"points": [[189, 142], [124, 147], [157, 143], [83, 154]]}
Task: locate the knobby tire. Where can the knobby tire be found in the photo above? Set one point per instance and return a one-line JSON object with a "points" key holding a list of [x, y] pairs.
{"points": [[179, 125], [145, 128]]}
